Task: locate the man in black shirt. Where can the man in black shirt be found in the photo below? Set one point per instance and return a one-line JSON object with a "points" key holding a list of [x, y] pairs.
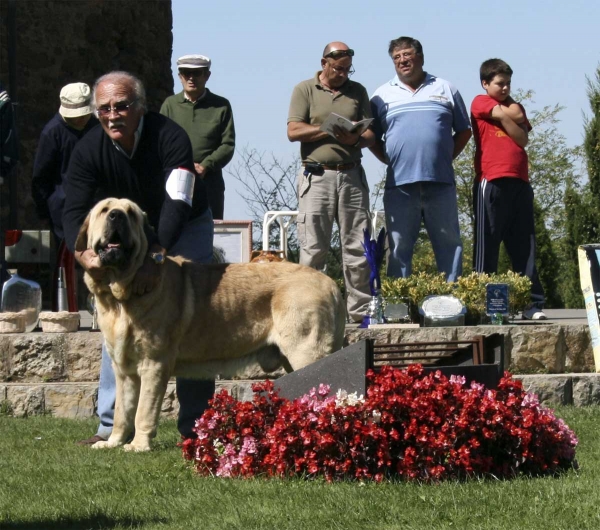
{"points": [[147, 158], [57, 141]]}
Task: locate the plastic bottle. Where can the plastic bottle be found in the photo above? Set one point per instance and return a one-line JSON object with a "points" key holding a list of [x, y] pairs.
{"points": [[20, 294]]}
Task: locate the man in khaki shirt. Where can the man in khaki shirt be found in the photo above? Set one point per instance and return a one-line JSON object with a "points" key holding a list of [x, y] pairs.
{"points": [[332, 182]]}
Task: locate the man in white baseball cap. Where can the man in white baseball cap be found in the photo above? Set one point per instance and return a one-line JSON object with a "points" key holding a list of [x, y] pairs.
{"points": [[208, 121], [57, 141]]}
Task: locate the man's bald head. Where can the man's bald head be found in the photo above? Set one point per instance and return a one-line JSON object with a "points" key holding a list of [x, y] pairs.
{"points": [[335, 46]]}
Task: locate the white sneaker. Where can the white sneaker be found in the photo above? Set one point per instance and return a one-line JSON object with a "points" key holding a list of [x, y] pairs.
{"points": [[533, 313]]}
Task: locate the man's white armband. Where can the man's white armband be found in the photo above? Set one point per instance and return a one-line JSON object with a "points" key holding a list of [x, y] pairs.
{"points": [[180, 185]]}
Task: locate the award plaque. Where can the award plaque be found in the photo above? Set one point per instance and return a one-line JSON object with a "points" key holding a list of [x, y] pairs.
{"points": [[442, 310], [496, 304], [396, 310]]}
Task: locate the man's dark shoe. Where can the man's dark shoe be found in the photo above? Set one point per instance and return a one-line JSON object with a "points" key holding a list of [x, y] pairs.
{"points": [[92, 440]]}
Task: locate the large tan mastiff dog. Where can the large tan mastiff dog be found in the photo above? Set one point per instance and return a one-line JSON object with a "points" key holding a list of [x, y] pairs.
{"points": [[200, 321]]}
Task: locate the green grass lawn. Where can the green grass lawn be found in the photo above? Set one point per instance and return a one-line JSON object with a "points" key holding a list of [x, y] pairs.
{"points": [[48, 482]]}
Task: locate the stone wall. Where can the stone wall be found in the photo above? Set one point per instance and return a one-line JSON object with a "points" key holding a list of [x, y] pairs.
{"points": [[64, 41], [547, 348], [57, 373]]}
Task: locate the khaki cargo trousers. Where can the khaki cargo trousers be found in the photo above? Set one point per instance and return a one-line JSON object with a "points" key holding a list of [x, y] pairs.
{"points": [[342, 196]]}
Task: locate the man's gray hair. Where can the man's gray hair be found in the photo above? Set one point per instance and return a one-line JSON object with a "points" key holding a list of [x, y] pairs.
{"points": [[124, 78]]}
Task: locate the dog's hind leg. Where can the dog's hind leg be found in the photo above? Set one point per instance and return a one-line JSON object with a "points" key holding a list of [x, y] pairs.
{"points": [[154, 377]]}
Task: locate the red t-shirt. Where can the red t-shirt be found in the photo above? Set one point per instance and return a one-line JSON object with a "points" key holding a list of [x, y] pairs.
{"points": [[496, 154]]}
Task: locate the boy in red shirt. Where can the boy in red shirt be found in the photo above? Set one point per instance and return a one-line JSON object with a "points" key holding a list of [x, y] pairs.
{"points": [[502, 194]]}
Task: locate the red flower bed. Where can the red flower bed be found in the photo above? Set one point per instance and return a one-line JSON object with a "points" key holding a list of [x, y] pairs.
{"points": [[412, 425]]}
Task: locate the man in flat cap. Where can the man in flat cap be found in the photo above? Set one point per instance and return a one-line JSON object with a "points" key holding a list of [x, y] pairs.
{"points": [[208, 120], [57, 141]]}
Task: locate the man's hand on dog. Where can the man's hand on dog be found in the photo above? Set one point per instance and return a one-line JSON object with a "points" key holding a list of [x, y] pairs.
{"points": [[90, 261]]}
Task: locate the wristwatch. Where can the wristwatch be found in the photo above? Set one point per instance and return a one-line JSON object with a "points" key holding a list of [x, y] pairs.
{"points": [[157, 257]]}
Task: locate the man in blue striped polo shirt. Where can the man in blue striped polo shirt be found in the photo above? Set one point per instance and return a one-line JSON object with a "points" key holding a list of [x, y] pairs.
{"points": [[421, 125]]}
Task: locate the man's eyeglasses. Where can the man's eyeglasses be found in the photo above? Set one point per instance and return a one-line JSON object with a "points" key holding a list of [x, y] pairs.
{"points": [[336, 54], [343, 70], [406, 56], [119, 108], [196, 72]]}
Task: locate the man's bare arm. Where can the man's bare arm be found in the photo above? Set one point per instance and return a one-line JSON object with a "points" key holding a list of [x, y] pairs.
{"points": [[461, 140], [299, 131], [378, 149]]}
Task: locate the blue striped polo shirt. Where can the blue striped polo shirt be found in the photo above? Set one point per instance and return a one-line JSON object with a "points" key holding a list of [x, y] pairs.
{"points": [[417, 129]]}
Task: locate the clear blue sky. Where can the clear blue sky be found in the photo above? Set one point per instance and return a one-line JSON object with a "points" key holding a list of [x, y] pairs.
{"points": [[260, 49]]}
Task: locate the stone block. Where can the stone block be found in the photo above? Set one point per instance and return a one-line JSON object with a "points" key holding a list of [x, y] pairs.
{"points": [[5, 348], [70, 400], [25, 400], [579, 355], [539, 347], [37, 357], [83, 352], [551, 389], [586, 389], [399, 335]]}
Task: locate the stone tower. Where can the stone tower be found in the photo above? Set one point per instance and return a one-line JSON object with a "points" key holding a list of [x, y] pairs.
{"points": [[46, 44]]}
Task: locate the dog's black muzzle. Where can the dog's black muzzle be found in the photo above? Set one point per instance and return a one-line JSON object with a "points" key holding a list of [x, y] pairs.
{"points": [[115, 247]]}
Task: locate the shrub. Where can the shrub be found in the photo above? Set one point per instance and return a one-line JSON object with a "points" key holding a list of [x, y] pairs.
{"points": [[471, 290], [410, 425]]}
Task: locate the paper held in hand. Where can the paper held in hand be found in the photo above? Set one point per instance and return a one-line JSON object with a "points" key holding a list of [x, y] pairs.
{"points": [[336, 120]]}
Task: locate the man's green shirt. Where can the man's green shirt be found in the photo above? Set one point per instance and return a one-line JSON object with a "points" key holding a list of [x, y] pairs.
{"points": [[209, 124]]}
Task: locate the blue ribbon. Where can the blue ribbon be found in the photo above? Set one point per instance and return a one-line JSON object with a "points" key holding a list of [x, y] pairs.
{"points": [[374, 252]]}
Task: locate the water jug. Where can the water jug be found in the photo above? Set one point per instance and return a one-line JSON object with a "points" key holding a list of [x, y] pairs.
{"points": [[20, 294]]}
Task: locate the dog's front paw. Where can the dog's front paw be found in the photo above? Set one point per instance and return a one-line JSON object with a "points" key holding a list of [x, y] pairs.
{"points": [[105, 445], [137, 447]]}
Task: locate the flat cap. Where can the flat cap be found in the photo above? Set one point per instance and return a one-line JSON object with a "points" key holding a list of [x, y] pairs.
{"points": [[193, 61]]}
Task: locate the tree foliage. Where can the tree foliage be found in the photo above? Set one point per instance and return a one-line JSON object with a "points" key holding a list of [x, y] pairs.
{"points": [[591, 143], [582, 201]]}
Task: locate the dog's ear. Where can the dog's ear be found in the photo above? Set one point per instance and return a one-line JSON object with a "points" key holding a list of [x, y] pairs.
{"points": [[81, 243]]}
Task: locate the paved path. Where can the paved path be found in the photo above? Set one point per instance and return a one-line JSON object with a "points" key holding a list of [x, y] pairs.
{"points": [[558, 316]]}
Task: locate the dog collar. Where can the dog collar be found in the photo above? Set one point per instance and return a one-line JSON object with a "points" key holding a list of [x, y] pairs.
{"points": [[157, 257]]}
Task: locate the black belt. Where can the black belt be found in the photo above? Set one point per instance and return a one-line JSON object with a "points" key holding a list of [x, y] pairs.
{"points": [[339, 167]]}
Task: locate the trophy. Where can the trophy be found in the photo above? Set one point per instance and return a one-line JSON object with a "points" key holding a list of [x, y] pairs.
{"points": [[374, 252]]}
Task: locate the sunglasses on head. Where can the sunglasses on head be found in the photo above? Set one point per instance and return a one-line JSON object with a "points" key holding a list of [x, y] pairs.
{"points": [[336, 54]]}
